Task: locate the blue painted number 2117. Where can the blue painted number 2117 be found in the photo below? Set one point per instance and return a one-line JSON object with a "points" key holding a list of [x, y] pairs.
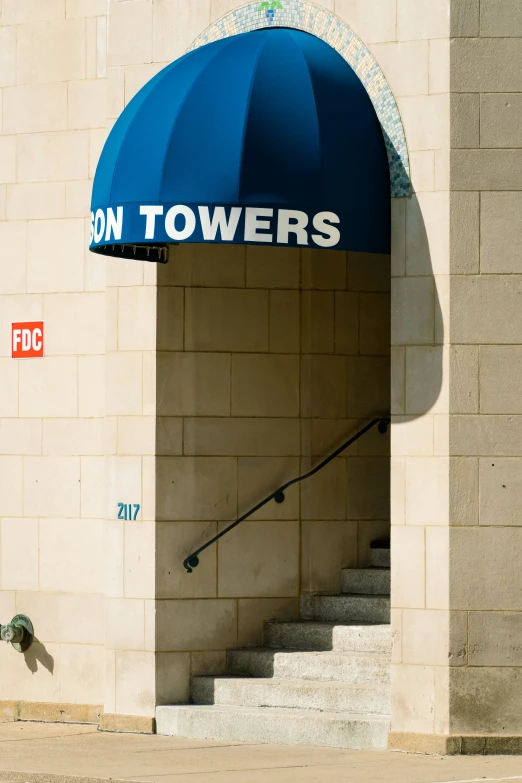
{"points": [[125, 511]]}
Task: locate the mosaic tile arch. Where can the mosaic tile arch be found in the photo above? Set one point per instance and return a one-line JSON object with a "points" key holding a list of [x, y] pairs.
{"points": [[323, 24]]}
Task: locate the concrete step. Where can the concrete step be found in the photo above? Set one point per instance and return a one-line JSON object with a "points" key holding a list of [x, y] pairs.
{"points": [[380, 558], [271, 725], [347, 667], [294, 694], [372, 609], [310, 635], [366, 581]]}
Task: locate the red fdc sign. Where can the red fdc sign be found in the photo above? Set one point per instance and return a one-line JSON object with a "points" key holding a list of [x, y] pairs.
{"points": [[27, 340]]}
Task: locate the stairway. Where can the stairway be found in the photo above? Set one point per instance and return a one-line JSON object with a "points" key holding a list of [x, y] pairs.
{"points": [[322, 680]]}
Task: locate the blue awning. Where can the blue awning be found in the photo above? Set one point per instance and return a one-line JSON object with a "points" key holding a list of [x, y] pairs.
{"points": [[263, 138]]}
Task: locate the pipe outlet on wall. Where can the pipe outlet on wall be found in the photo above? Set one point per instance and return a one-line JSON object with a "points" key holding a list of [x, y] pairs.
{"points": [[19, 633]]}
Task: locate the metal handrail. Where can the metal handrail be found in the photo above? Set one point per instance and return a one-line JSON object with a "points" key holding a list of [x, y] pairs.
{"points": [[192, 561]]}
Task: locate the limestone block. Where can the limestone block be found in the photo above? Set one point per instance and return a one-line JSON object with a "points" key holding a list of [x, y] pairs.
{"points": [[113, 556], [464, 491], [500, 379], [486, 169], [52, 486], [124, 384], [242, 317], [374, 324], [13, 258], [323, 386], [317, 321], [135, 675], [368, 386], [398, 490], [408, 566], [412, 436], [323, 496], [465, 120], [175, 25], [284, 322], [137, 319], [369, 530], [398, 237], [20, 436], [425, 391], [326, 548], [139, 559], [82, 570], [412, 311], [219, 8], [35, 108], [440, 65], [346, 322], [124, 483], [97, 139], [413, 698], [500, 235], [101, 47], [93, 487], [258, 477], [371, 271], [320, 437], [426, 120], [79, 8], [374, 23], [173, 671], [81, 674], [497, 72], [137, 76], [254, 612], [272, 267], [65, 617], [221, 266], [86, 104], [9, 388], [434, 637], [500, 491], [55, 256], [115, 92], [207, 624], [74, 324], [36, 201], [427, 490], [169, 326], [494, 638], [265, 385], [465, 19], [486, 436], [485, 699], [368, 488], [174, 541], [7, 56], [136, 435], [500, 18], [500, 120], [3, 198], [49, 388], [169, 436], [51, 51], [483, 572], [242, 437], [485, 309], [423, 171], [73, 437], [16, 12], [19, 550], [21, 682], [405, 66], [78, 199], [90, 46], [464, 233], [259, 559], [427, 234], [130, 33], [398, 379], [193, 384], [323, 269], [123, 272], [422, 19], [196, 488], [124, 624], [91, 386]]}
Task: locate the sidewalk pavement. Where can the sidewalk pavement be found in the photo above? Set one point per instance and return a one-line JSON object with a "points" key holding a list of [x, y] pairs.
{"points": [[58, 753]]}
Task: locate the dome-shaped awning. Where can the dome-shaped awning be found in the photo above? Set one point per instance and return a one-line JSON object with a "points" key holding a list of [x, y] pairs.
{"points": [[263, 138]]}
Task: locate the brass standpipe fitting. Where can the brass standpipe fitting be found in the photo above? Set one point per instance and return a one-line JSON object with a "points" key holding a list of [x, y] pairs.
{"points": [[19, 633]]}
